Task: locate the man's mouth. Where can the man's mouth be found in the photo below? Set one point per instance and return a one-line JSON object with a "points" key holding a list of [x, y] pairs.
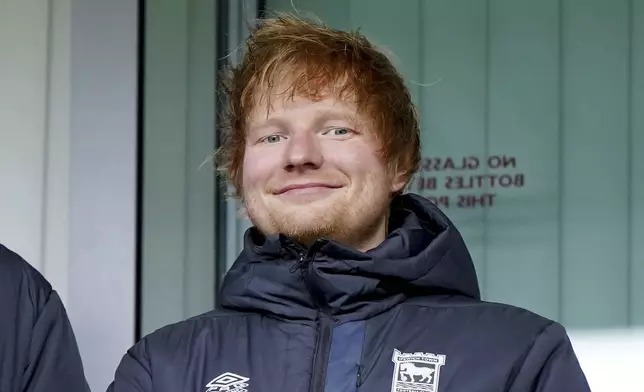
{"points": [[309, 187]]}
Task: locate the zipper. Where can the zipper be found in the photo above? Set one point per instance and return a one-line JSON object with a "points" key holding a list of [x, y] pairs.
{"points": [[325, 319], [322, 351]]}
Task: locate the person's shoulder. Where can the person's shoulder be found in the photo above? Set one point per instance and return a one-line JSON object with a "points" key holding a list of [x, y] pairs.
{"points": [[210, 319], [181, 335], [492, 318], [16, 274], [182, 345], [508, 318]]}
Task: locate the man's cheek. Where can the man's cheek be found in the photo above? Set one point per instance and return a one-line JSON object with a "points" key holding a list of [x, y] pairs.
{"points": [[252, 178]]}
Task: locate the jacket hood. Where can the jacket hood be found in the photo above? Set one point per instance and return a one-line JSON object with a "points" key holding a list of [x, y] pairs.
{"points": [[423, 255]]}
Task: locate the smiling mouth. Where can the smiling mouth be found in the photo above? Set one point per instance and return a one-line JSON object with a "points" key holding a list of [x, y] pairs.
{"points": [[305, 188]]}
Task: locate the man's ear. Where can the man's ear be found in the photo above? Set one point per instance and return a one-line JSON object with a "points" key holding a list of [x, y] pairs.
{"points": [[399, 179]]}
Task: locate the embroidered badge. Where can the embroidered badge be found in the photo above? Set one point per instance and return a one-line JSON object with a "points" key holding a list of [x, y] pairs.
{"points": [[416, 372]]}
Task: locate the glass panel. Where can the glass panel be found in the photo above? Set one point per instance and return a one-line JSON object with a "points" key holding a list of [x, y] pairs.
{"points": [[595, 183], [178, 181], [636, 152]]}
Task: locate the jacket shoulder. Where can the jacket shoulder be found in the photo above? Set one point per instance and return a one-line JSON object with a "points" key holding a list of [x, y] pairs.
{"points": [[492, 318], [508, 328], [173, 345], [19, 278], [181, 335], [531, 352], [35, 332], [202, 320]]}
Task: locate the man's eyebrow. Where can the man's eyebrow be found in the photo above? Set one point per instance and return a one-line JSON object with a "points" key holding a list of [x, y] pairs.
{"points": [[264, 123], [337, 114]]}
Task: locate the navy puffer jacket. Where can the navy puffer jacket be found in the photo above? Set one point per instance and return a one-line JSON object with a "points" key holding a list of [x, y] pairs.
{"points": [[405, 317]]}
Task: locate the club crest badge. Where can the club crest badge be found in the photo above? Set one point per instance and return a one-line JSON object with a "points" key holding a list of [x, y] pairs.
{"points": [[416, 372]]}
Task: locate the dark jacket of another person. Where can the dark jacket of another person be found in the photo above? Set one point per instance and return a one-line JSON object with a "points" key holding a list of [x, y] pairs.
{"points": [[38, 350]]}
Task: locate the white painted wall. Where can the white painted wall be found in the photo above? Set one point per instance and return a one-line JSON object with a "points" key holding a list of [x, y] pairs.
{"points": [[24, 85], [68, 164]]}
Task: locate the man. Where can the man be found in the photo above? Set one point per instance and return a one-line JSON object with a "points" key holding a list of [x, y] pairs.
{"points": [[344, 283], [38, 351]]}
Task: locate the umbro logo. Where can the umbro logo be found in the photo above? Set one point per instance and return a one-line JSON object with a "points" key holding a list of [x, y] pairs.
{"points": [[228, 382]]}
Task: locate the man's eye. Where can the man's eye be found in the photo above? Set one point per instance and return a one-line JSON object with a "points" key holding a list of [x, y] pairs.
{"points": [[272, 138], [340, 131]]}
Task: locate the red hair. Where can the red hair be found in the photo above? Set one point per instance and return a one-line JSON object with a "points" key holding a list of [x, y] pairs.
{"points": [[317, 61]]}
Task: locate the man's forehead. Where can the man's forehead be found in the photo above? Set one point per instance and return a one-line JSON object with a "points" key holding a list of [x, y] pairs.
{"points": [[292, 85], [283, 106]]}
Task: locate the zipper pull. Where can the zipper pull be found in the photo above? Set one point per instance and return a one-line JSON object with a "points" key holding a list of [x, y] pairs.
{"points": [[299, 264]]}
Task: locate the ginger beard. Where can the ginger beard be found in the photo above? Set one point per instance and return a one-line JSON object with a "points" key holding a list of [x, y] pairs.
{"points": [[350, 216], [303, 148]]}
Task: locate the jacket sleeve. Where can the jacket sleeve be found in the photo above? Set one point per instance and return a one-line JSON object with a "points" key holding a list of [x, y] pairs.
{"points": [[54, 362], [133, 374], [551, 365]]}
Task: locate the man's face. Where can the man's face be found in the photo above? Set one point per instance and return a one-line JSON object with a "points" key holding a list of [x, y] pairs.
{"points": [[313, 169]]}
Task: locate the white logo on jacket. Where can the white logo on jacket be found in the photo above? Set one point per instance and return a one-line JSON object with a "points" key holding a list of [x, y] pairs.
{"points": [[228, 382], [416, 372]]}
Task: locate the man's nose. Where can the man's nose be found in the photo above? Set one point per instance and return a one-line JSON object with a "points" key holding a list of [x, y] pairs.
{"points": [[303, 152]]}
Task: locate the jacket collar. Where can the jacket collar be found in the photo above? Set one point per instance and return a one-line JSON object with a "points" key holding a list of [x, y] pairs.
{"points": [[423, 255]]}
